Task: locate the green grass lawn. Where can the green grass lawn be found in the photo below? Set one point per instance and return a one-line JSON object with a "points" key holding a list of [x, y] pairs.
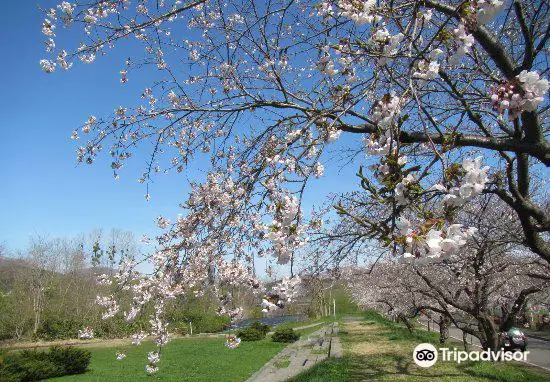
{"points": [[379, 350], [182, 360]]}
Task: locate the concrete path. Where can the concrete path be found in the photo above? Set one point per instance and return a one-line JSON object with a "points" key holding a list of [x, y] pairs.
{"points": [[297, 357], [543, 336], [336, 350]]}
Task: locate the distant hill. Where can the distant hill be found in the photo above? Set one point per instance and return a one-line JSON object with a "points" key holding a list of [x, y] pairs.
{"points": [[10, 270]]}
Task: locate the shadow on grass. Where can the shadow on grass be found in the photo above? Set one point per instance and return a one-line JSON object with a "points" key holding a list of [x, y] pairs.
{"points": [[382, 351], [388, 367], [331, 370], [501, 372], [392, 366]]}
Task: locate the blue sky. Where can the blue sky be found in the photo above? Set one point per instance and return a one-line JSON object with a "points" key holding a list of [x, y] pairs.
{"points": [[44, 190]]}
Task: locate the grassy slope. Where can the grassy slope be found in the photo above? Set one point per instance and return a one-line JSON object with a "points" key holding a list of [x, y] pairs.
{"points": [[182, 360], [379, 350]]}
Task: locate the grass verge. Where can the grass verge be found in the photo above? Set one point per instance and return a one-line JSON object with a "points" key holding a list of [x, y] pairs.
{"points": [[376, 349], [182, 360]]}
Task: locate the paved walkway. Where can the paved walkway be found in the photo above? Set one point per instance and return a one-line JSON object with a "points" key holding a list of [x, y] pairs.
{"points": [[542, 335], [298, 356]]}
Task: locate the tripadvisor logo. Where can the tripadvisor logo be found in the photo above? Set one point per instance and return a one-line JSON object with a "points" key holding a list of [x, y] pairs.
{"points": [[426, 355]]}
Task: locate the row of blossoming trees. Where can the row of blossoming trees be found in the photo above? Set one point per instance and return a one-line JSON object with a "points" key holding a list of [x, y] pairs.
{"points": [[446, 99], [493, 277]]}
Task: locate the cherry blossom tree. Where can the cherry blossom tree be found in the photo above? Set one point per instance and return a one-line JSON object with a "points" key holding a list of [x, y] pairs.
{"points": [[491, 276], [447, 96]]}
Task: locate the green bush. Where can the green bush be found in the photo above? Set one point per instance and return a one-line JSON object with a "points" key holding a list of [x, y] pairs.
{"points": [[250, 334], [73, 360], [117, 327], [257, 325], [33, 365], [285, 335], [29, 369], [202, 322], [53, 328]]}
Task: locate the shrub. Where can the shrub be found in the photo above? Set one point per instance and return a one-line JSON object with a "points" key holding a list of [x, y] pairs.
{"points": [[210, 323], [73, 360], [116, 327], [257, 325], [250, 334], [285, 335], [202, 322], [53, 328], [33, 365], [29, 369]]}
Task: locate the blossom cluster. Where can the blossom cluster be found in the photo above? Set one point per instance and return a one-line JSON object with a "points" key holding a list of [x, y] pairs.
{"points": [[427, 241], [379, 144], [463, 43], [86, 333], [384, 113], [387, 109], [361, 12], [523, 93], [436, 243], [232, 341], [285, 233], [386, 44], [281, 294], [235, 314], [110, 304], [325, 64], [428, 69], [138, 337], [401, 189], [67, 14], [236, 273], [153, 359], [472, 183], [447, 243]]}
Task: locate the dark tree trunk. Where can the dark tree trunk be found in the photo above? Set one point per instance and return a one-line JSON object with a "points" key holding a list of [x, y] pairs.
{"points": [[406, 322], [465, 340], [489, 333]]}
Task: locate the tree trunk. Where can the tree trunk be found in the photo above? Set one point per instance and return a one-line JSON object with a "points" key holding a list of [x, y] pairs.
{"points": [[465, 340], [406, 322], [37, 311], [489, 333]]}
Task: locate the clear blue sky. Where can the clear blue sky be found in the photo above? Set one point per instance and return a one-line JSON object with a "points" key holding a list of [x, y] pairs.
{"points": [[43, 190]]}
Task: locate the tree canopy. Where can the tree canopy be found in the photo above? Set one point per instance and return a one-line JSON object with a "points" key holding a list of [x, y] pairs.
{"points": [[448, 95]]}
